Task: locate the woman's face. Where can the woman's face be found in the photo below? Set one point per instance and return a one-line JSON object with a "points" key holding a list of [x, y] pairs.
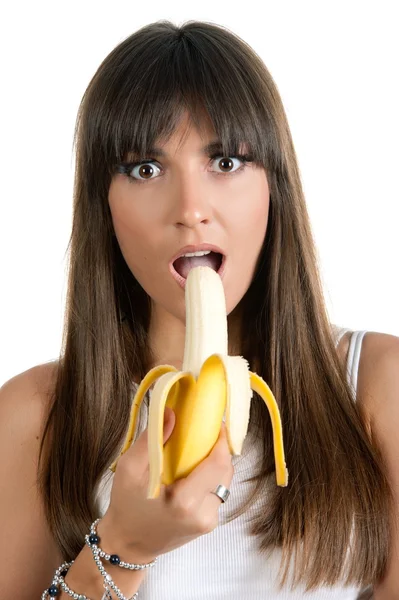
{"points": [[186, 198]]}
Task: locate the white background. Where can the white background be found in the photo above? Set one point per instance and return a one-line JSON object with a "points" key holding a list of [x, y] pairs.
{"points": [[336, 66]]}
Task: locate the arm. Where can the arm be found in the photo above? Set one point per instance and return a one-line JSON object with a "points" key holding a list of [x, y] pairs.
{"points": [[378, 393], [84, 578], [28, 553]]}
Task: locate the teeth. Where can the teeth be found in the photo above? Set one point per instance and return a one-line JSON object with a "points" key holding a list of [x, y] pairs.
{"points": [[200, 253]]}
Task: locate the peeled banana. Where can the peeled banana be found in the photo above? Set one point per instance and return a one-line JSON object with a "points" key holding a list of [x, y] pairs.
{"points": [[210, 387]]}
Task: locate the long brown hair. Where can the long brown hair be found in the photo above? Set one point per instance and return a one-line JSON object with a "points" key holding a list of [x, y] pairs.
{"points": [[338, 495]]}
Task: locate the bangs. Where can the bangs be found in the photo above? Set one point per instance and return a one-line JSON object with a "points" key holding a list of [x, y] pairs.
{"points": [[148, 82]]}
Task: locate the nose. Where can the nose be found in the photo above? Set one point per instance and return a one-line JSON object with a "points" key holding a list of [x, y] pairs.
{"points": [[191, 201]]}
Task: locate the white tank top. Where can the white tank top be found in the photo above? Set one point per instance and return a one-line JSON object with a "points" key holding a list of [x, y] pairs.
{"points": [[225, 564]]}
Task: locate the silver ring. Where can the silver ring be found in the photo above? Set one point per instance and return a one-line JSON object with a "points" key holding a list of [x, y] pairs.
{"points": [[222, 492]]}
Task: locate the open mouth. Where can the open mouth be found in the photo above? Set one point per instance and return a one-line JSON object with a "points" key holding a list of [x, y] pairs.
{"points": [[184, 264]]}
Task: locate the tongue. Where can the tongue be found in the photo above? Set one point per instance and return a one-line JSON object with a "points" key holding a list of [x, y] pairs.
{"points": [[184, 264]]}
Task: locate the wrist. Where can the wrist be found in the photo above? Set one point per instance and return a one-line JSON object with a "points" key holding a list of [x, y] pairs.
{"points": [[114, 541], [87, 574], [84, 577]]}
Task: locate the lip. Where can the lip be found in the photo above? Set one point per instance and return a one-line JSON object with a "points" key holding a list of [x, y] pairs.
{"points": [[196, 248]]}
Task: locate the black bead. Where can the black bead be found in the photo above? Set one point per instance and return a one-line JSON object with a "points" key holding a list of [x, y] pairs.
{"points": [[53, 591], [114, 559], [94, 539]]}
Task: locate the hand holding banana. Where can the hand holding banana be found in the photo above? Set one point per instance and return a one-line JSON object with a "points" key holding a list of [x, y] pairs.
{"points": [[210, 386], [145, 528]]}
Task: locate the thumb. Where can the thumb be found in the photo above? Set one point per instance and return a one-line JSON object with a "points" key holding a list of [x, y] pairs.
{"points": [[140, 447], [169, 420]]}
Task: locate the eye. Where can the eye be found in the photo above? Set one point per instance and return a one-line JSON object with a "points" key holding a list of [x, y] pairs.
{"points": [[146, 170], [225, 163], [143, 171]]}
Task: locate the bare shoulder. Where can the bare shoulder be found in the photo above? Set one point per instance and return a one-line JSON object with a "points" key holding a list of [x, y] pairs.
{"points": [[378, 393], [25, 401], [38, 381], [24, 404], [378, 366], [378, 377]]}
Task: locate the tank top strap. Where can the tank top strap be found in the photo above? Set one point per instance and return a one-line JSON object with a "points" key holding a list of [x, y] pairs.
{"points": [[340, 332], [355, 347]]}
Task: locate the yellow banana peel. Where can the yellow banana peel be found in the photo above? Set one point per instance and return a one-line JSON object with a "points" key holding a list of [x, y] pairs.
{"points": [[210, 387]]}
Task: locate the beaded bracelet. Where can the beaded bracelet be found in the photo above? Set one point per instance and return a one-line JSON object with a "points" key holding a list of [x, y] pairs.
{"points": [[107, 578], [93, 540], [58, 582]]}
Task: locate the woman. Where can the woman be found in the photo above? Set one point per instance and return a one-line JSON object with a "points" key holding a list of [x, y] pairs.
{"points": [[182, 140]]}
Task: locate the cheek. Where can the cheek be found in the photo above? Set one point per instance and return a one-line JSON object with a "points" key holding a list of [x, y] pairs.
{"points": [[127, 230], [127, 223], [132, 244], [255, 218], [138, 237], [249, 219], [251, 206]]}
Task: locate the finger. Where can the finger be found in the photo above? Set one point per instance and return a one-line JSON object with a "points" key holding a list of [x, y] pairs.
{"points": [[138, 452], [221, 451], [212, 502], [169, 421], [214, 469]]}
